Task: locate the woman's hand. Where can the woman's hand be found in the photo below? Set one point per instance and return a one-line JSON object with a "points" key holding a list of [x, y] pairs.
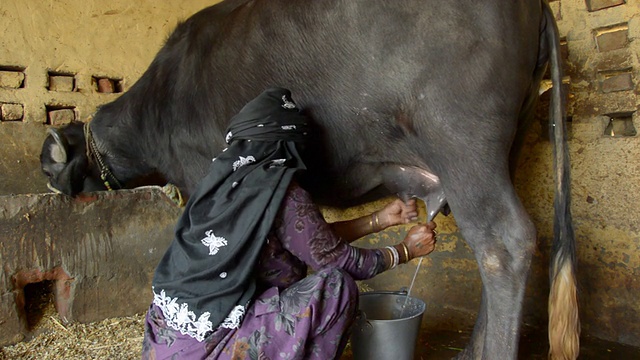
{"points": [[421, 240], [398, 212]]}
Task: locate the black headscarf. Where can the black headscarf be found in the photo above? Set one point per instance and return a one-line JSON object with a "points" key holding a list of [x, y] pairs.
{"points": [[205, 280]]}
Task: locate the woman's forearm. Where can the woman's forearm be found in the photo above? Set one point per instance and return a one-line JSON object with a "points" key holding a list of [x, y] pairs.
{"points": [[351, 230], [394, 213]]}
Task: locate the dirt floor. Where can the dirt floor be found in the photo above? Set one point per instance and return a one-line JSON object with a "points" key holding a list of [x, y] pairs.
{"points": [[533, 346], [121, 338], [118, 338]]}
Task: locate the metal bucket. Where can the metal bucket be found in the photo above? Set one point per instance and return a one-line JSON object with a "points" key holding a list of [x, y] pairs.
{"points": [[383, 330]]}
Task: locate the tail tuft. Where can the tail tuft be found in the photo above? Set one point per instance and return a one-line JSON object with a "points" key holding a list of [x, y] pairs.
{"points": [[564, 323]]}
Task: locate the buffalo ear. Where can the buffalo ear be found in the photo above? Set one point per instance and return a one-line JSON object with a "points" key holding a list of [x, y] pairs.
{"points": [[60, 149]]}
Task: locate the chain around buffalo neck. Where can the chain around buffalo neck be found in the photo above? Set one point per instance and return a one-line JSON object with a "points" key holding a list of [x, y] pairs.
{"points": [[92, 152]]}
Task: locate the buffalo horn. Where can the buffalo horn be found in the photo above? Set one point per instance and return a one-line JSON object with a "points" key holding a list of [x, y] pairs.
{"points": [[63, 146]]}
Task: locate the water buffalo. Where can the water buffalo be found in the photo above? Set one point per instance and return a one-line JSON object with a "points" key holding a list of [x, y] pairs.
{"points": [[419, 97]]}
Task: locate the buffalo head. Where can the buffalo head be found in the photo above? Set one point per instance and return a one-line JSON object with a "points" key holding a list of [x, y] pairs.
{"points": [[65, 163]]}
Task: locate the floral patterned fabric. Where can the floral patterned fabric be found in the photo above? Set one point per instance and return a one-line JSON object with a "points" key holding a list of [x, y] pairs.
{"points": [[295, 316]]}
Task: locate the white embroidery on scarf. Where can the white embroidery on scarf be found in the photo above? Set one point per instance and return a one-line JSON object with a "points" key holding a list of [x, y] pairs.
{"points": [[179, 318], [228, 137], [243, 161], [223, 275], [277, 162], [287, 103], [234, 319], [288, 127], [213, 242]]}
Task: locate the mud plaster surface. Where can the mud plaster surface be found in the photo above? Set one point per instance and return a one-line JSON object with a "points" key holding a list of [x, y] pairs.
{"points": [[87, 38]]}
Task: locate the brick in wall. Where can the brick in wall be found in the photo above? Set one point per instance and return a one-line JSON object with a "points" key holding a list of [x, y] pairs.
{"points": [[106, 86], [58, 117], [617, 82], [11, 79], [595, 5], [612, 38], [61, 83], [11, 112]]}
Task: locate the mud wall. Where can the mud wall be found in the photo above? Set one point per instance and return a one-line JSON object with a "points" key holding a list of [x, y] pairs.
{"points": [[59, 60]]}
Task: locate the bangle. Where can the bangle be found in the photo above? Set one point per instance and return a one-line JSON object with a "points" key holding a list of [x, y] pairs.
{"points": [[372, 222], [395, 257], [390, 264], [392, 257], [376, 220], [406, 252]]}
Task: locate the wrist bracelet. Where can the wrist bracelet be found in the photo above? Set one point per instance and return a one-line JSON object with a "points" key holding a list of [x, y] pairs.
{"points": [[390, 264], [371, 224], [376, 221], [406, 252], [395, 257]]}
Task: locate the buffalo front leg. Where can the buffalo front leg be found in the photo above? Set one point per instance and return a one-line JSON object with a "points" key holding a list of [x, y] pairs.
{"points": [[502, 236]]}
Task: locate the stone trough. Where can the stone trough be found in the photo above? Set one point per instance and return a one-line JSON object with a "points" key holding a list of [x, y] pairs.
{"points": [[95, 255]]}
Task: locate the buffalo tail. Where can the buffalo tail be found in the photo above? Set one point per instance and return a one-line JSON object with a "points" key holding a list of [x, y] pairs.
{"points": [[564, 322]]}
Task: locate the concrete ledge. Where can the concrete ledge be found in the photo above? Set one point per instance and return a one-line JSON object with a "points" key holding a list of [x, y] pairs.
{"points": [[97, 252]]}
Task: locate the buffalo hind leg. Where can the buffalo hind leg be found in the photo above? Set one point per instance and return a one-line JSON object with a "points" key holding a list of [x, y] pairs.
{"points": [[476, 344], [502, 236]]}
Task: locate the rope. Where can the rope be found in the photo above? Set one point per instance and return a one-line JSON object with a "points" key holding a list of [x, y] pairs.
{"points": [[92, 149]]}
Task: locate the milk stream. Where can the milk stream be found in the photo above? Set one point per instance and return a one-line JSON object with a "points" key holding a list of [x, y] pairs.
{"points": [[431, 213], [410, 287]]}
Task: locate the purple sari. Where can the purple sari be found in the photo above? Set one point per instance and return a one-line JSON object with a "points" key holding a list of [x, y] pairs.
{"points": [[295, 316]]}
